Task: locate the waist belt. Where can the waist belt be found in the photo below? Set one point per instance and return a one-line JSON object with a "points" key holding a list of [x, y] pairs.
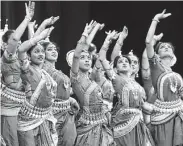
{"points": [[61, 106]]}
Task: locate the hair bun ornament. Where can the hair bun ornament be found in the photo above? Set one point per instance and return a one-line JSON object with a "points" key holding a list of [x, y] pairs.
{"points": [[120, 54], [131, 53], [69, 57]]}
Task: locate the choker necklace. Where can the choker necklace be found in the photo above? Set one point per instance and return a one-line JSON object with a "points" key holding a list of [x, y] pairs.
{"points": [[37, 69], [167, 69], [83, 75], [49, 65]]}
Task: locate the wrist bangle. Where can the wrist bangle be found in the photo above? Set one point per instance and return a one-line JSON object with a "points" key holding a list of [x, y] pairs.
{"points": [[105, 48], [85, 34], [81, 42], [119, 44], [155, 20], [108, 42], [28, 18], [106, 45]]}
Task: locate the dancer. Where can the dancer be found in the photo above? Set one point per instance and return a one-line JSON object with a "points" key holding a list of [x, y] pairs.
{"points": [[167, 115], [12, 95], [127, 120], [92, 129], [64, 107], [36, 124]]}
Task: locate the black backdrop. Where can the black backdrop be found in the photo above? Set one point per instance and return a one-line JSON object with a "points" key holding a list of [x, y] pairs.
{"points": [[136, 15]]}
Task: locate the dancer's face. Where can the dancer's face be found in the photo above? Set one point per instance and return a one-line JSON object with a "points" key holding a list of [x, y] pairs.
{"points": [[37, 55], [51, 53], [165, 50], [123, 65], [85, 61]]}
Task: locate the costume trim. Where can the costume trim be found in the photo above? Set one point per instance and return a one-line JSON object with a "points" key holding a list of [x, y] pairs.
{"points": [[128, 126], [61, 106]]}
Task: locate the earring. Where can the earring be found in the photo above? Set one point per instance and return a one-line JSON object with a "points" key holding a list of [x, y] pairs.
{"points": [[136, 75]]}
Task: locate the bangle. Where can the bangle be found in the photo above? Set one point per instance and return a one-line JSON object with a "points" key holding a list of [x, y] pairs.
{"points": [[81, 42], [106, 45], [108, 42], [105, 48], [155, 20], [28, 18], [120, 44], [85, 34]]}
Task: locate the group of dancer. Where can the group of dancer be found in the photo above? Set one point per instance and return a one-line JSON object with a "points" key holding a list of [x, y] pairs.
{"points": [[100, 103]]}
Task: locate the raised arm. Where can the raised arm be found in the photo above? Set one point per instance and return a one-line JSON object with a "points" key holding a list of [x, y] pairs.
{"points": [[25, 46], [145, 70], [97, 27], [119, 43], [31, 27], [45, 23], [151, 32], [15, 37], [103, 51], [82, 45]]}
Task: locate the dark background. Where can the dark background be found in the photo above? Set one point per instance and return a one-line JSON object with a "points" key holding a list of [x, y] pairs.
{"points": [[136, 15]]}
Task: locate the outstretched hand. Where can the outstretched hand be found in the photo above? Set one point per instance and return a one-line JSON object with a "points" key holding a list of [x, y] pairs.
{"points": [[157, 38], [124, 33], [112, 35], [101, 26], [51, 20], [30, 9], [88, 28], [162, 15]]}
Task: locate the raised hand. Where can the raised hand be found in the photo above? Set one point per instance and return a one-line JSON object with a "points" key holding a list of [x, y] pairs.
{"points": [[162, 15], [51, 20], [157, 38], [88, 28], [112, 35], [101, 26], [124, 33], [30, 9]]}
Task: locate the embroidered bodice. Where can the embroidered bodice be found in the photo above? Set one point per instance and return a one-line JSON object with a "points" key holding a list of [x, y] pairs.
{"points": [[63, 81], [167, 83], [130, 93], [10, 69], [44, 92]]}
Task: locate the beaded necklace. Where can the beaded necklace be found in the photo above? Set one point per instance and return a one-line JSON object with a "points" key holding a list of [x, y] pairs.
{"points": [[84, 75], [173, 82], [134, 89]]}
